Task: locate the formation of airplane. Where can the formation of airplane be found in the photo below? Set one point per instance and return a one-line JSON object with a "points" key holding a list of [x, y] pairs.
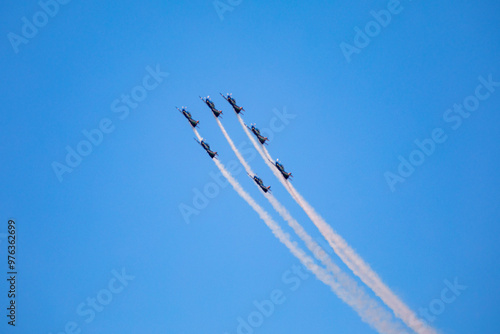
{"points": [[189, 117], [281, 168], [194, 123], [256, 132], [260, 183], [232, 102], [211, 105], [205, 145]]}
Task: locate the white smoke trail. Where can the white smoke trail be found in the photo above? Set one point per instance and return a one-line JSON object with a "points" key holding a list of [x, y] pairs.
{"points": [[233, 147], [265, 156], [298, 229], [345, 287], [345, 252], [364, 271], [369, 311], [197, 135]]}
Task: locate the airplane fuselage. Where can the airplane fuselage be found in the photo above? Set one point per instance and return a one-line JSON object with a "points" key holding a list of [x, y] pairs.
{"points": [[282, 170], [261, 138], [187, 114], [261, 184]]}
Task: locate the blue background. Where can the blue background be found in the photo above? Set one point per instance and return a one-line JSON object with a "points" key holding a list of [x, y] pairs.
{"points": [[120, 208]]}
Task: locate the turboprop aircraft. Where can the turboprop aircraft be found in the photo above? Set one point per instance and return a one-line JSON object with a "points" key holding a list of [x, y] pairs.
{"points": [[260, 183], [187, 114], [211, 105], [256, 132], [232, 102], [205, 145], [281, 169]]}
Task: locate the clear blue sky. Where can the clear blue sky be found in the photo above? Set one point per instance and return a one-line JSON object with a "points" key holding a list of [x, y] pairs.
{"points": [[119, 207]]}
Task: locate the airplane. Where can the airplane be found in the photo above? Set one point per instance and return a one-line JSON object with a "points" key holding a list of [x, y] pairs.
{"points": [[205, 145], [256, 132], [211, 105], [260, 183], [189, 117], [232, 102], [281, 169]]}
